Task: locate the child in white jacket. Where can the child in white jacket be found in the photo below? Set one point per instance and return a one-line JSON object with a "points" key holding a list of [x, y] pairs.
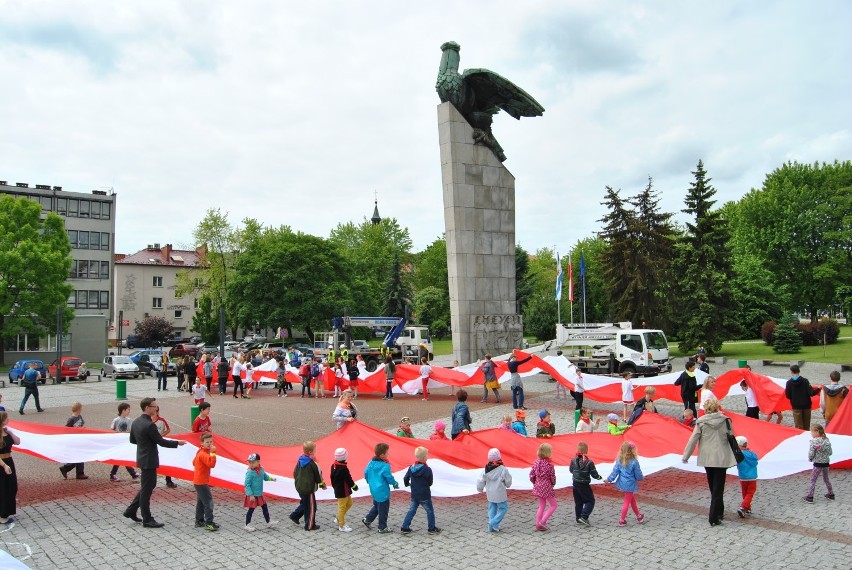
{"points": [[495, 479]]}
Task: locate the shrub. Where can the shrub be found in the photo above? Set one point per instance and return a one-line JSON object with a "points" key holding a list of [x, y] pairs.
{"points": [[440, 329], [767, 332], [814, 332]]}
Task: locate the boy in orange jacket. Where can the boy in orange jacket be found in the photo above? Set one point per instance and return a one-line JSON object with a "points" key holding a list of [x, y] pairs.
{"points": [[205, 460]]}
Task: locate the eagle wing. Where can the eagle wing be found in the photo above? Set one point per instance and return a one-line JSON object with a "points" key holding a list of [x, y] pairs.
{"points": [[492, 89]]}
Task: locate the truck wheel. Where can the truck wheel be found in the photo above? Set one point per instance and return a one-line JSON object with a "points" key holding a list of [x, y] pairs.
{"points": [[372, 365], [627, 367]]}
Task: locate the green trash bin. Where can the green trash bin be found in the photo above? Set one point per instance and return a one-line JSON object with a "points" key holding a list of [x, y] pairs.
{"points": [[576, 418], [120, 389], [742, 363], [193, 413]]}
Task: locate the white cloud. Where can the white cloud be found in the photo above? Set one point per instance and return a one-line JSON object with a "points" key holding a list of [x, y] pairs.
{"points": [[295, 114]]}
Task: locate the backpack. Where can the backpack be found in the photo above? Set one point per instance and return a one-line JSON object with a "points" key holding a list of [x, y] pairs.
{"points": [[315, 371]]}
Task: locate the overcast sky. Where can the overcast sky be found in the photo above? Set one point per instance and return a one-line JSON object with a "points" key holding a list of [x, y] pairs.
{"points": [[296, 113]]}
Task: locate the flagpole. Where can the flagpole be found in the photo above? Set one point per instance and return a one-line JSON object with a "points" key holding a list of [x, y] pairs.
{"points": [[558, 287], [571, 287], [583, 278]]}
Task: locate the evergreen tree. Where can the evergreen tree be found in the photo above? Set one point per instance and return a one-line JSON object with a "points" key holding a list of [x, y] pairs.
{"points": [[654, 246], [397, 294], [787, 337], [623, 282], [702, 271]]}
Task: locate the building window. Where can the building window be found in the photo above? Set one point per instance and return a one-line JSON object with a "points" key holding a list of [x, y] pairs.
{"points": [[83, 269], [104, 241], [73, 206], [158, 281], [83, 240], [84, 208], [72, 237], [93, 270], [105, 210], [73, 273], [72, 299], [93, 299], [95, 210], [157, 303], [46, 202], [178, 314], [178, 294], [195, 303], [95, 240], [62, 206], [104, 269], [104, 299], [82, 299]]}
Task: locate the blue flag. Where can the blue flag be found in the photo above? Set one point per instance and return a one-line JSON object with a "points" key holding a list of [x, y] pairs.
{"points": [[582, 265], [558, 278]]}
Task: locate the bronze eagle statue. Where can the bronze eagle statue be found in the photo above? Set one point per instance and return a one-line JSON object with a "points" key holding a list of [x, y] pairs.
{"points": [[479, 94]]}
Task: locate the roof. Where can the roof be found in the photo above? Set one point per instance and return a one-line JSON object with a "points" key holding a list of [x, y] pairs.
{"points": [[166, 255]]}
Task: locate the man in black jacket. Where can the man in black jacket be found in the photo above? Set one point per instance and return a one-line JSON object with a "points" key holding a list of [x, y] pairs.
{"points": [[146, 438], [799, 392]]}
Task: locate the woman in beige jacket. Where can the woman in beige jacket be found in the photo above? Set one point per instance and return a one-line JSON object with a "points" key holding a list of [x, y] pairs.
{"points": [[714, 454]]}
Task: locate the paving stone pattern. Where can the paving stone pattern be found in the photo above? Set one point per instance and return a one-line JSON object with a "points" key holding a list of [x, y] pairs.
{"points": [[78, 524]]}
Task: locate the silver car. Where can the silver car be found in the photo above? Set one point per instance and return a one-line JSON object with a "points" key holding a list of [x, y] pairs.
{"points": [[119, 366]]}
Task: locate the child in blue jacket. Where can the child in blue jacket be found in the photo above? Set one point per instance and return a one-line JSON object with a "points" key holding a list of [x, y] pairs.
{"points": [[419, 478], [255, 476], [379, 478], [626, 473], [747, 470]]}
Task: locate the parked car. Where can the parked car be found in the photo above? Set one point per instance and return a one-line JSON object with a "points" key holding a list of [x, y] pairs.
{"points": [[134, 356], [115, 366], [231, 344], [21, 366], [360, 345], [184, 349], [70, 369], [132, 341], [304, 350], [151, 365]]}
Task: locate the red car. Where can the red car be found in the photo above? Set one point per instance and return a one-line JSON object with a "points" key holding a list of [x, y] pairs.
{"points": [[70, 369]]}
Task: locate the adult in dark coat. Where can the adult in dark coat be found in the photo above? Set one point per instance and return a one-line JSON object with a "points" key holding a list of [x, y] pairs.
{"points": [[688, 387], [146, 438], [799, 391]]}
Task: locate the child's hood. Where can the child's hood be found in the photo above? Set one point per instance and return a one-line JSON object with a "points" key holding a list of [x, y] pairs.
{"points": [[833, 389], [494, 471], [304, 460]]}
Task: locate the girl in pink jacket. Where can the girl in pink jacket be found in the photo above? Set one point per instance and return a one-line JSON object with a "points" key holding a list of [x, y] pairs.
{"points": [[543, 477]]}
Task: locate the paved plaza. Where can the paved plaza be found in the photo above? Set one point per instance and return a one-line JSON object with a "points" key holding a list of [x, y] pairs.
{"points": [[78, 524]]}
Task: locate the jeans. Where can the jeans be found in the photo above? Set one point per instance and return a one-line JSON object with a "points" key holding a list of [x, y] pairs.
{"points": [[517, 397], [238, 383], [203, 504], [496, 512], [379, 509], [30, 390], [689, 404], [162, 379], [427, 506], [69, 466], [307, 508], [716, 483], [142, 500], [584, 500], [578, 399], [389, 390]]}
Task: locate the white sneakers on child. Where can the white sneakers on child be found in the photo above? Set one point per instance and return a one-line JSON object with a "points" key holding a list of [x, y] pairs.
{"points": [[271, 524], [250, 528], [344, 528]]}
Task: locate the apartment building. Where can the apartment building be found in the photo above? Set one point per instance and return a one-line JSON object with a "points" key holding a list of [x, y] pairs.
{"points": [[90, 223], [146, 285]]}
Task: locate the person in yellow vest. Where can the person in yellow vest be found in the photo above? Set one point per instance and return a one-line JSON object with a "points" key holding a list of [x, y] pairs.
{"points": [[332, 356], [344, 353]]}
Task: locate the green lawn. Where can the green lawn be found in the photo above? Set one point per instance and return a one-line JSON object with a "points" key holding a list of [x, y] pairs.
{"points": [[837, 353]]}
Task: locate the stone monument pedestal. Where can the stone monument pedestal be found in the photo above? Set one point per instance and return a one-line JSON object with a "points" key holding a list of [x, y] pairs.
{"points": [[479, 216]]}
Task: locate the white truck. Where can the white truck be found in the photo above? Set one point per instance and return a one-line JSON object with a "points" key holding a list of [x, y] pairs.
{"points": [[609, 348]]}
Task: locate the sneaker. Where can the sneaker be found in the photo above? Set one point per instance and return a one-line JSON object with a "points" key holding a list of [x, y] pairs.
{"points": [[748, 512], [171, 484], [369, 525], [271, 524], [114, 478], [809, 500], [211, 526], [294, 521], [495, 530], [583, 521], [829, 496], [742, 512], [64, 473], [405, 531], [82, 477], [315, 527], [622, 523], [385, 530], [250, 528], [199, 524], [640, 518], [435, 530], [344, 528]]}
